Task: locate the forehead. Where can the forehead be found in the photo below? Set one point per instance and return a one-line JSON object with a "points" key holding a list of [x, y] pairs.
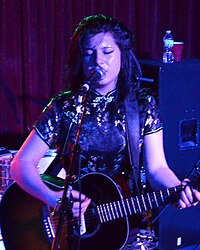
{"points": [[102, 40]]}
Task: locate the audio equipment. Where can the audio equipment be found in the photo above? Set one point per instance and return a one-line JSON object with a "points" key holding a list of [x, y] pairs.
{"points": [[177, 87]]}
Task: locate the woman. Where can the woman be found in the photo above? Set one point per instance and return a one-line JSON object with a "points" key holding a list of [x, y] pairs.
{"points": [[99, 44]]}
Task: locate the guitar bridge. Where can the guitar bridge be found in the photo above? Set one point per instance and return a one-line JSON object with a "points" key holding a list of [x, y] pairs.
{"points": [[47, 224]]}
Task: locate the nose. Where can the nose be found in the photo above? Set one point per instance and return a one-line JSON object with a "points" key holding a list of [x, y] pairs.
{"points": [[100, 58]]}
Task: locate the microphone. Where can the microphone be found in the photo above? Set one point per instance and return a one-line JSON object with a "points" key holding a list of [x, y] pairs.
{"points": [[96, 74]]}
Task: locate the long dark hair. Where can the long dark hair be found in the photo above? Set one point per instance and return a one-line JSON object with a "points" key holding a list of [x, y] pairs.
{"points": [[130, 70]]}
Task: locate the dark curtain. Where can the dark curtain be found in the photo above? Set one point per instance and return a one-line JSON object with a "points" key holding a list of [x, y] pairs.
{"points": [[34, 42]]}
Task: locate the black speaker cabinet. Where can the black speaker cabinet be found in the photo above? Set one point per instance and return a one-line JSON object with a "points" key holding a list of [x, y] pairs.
{"points": [[178, 88]]}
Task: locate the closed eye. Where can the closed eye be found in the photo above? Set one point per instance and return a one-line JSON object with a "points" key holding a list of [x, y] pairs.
{"points": [[108, 52], [88, 52]]}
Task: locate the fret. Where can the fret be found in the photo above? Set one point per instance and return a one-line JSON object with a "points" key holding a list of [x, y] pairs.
{"points": [[142, 203], [99, 212], [133, 204], [168, 194], [115, 207], [123, 204], [108, 209], [155, 199], [101, 209], [138, 203], [165, 195], [162, 198], [145, 207], [112, 211], [148, 196], [129, 209], [104, 208], [120, 209]]}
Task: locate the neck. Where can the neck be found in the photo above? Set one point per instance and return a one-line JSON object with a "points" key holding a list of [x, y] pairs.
{"points": [[104, 89]]}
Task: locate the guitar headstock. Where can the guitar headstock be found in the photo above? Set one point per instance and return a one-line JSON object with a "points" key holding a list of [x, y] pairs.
{"points": [[194, 176]]}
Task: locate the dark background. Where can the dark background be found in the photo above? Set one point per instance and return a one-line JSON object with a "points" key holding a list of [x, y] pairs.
{"points": [[34, 42]]}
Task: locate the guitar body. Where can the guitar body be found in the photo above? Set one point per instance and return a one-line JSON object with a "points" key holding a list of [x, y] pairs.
{"points": [[22, 219]]}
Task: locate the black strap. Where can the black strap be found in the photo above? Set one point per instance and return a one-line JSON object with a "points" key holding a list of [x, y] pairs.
{"points": [[133, 132]]}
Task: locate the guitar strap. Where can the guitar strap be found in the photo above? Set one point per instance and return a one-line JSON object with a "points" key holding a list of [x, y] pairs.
{"points": [[133, 134]]}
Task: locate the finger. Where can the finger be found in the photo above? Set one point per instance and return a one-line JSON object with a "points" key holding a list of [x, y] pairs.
{"points": [[181, 204], [196, 196], [80, 207], [76, 205], [184, 200], [85, 204], [76, 195], [76, 209], [188, 194]]}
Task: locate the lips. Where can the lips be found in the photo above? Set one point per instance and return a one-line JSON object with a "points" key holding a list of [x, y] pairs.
{"points": [[98, 70]]}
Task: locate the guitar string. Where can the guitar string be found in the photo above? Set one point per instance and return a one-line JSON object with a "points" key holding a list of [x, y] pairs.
{"points": [[89, 214]]}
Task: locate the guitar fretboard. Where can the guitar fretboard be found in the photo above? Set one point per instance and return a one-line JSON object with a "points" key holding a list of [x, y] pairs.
{"points": [[125, 207]]}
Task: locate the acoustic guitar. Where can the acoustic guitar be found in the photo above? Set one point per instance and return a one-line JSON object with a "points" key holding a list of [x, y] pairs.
{"points": [[28, 224]]}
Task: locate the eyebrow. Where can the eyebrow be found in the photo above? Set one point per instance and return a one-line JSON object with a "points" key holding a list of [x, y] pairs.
{"points": [[106, 47]]}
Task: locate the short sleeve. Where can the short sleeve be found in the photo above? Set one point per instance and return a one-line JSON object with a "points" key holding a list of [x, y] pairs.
{"points": [[149, 112], [48, 123]]}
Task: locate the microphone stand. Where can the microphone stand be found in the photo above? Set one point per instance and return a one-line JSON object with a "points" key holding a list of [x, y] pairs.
{"points": [[65, 210]]}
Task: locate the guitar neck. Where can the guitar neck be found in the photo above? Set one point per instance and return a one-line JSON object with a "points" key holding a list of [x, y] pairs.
{"points": [[125, 207]]}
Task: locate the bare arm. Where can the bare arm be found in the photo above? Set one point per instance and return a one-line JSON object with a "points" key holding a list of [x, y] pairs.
{"points": [[24, 169], [158, 172]]}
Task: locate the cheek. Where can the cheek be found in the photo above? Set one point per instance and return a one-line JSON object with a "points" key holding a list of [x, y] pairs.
{"points": [[116, 64]]}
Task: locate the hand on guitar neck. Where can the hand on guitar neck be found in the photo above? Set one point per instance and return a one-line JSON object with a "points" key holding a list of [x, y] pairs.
{"points": [[188, 197]]}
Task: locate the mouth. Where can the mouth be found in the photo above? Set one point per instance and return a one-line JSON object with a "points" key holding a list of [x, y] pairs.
{"points": [[99, 72]]}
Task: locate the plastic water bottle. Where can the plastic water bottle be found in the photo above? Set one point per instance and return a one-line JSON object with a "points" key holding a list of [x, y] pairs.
{"points": [[168, 41]]}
